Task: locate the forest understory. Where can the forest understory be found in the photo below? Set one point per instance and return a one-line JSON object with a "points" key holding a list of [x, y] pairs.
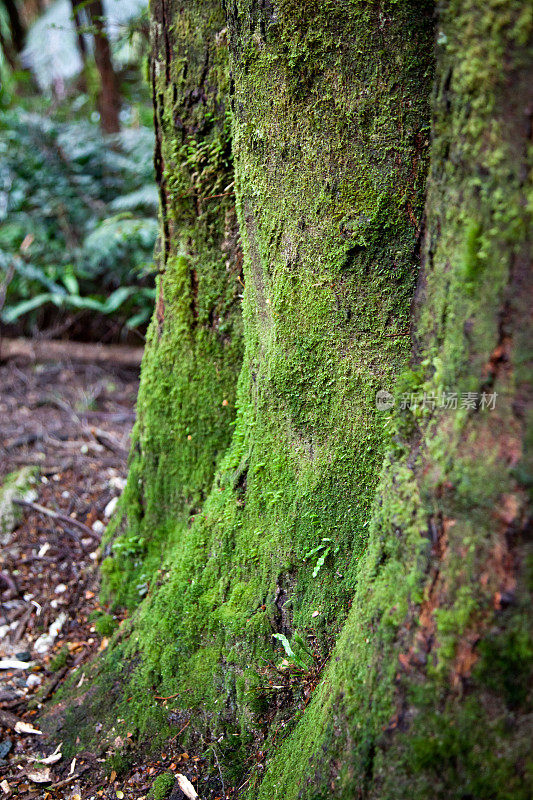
{"points": [[68, 424]]}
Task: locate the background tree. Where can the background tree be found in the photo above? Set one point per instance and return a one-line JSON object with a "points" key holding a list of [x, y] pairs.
{"points": [[109, 95], [15, 23], [12, 42], [78, 23], [382, 152]]}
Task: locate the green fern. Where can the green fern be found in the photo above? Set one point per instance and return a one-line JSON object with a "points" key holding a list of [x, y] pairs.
{"points": [[77, 218]]}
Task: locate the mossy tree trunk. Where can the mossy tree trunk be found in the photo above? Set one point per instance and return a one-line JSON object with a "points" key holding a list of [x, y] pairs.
{"points": [[381, 191]]}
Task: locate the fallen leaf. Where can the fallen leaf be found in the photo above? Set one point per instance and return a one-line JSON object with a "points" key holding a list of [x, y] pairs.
{"points": [[14, 663], [51, 759], [5, 787], [186, 786], [27, 727], [39, 775]]}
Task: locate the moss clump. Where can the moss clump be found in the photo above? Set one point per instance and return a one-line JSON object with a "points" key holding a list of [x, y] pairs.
{"points": [[162, 786], [105, 624], [14, 486], [59, 660], [119, 763]]}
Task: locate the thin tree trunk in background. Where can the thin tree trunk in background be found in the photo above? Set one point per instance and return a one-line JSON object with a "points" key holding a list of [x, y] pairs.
{"points": [[15, 23], [109, 100], [78, 25], [9, 52], [82, 46]]}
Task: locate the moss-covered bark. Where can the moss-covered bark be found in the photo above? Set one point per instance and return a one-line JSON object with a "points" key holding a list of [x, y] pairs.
{"points": [[389, 544], [186, 402]]}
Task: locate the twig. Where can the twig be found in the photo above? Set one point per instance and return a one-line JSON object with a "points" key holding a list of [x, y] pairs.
{"points": [[170, 697], [21, 627], [60, 517], [213, 196], [181, 730], [10, 582], [219, 771], [68, 780], [105, 439], [50, 687]]}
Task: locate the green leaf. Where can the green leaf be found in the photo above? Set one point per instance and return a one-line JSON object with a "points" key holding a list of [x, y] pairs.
{"points": [[285, 642], [71, 283], [12, 313], [320, 562], [314, 551]]}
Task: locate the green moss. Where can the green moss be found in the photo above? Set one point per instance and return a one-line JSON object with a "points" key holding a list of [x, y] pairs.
{"points": [[330, 267], [59, 660], [472, 262], [119, 763], [162, 786], [230, 486], [186, 402], [105, 624]]}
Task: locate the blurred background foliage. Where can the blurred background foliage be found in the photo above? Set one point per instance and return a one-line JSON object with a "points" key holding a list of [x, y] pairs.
{"points": [[78, 200]]}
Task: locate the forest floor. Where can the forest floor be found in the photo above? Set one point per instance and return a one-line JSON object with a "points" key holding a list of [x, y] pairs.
{"points": [[70, 423]]}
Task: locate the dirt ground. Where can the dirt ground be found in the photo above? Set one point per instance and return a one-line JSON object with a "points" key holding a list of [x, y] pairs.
{"points": [[70, 423]]}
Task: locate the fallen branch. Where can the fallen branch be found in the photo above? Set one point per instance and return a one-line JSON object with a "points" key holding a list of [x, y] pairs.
{"points": [[75, 351], [51, 685], [106, 440], [60, 518]]}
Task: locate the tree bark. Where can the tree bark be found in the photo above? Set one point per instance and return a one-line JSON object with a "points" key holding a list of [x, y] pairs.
{"points": [[15, 23], [79, 32], [354, 516]]}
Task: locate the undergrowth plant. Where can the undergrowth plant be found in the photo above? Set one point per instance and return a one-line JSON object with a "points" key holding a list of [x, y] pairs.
{"points": [[78, 218]]}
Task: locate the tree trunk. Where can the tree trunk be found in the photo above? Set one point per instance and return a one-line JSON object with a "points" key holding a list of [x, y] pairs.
{"points": [[78, 24], [16, 26], [335, 574], [82, 46], [109, 95]]}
